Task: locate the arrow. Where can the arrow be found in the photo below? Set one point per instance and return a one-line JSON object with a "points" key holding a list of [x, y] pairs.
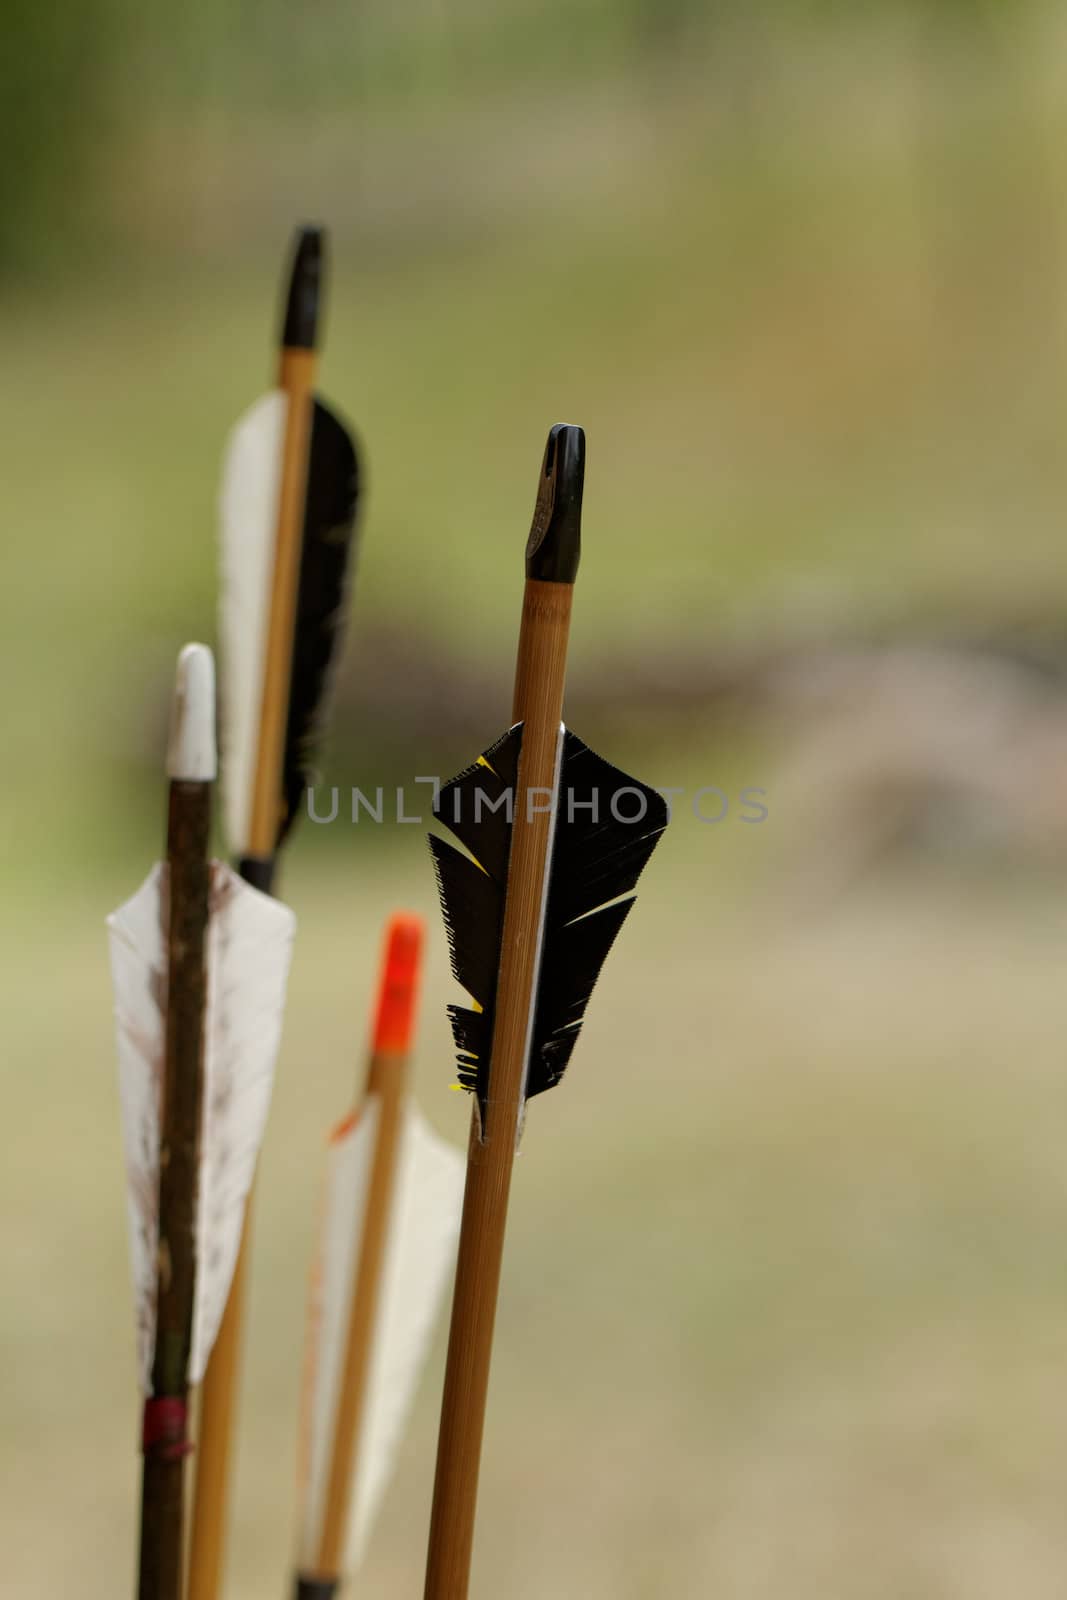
{"points": [[199, 964], [388, 1242], [555, 842], [288, 509]]}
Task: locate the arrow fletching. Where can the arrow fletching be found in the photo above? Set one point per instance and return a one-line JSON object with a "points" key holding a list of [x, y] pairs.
{"points": [[606, 827], [251, 484], [420, 1254], [391, 1219], [248, 950]]}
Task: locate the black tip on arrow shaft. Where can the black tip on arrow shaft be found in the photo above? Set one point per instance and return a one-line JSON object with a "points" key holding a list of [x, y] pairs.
{"points": [[315, 1588], [301, 325], [555, 541]]}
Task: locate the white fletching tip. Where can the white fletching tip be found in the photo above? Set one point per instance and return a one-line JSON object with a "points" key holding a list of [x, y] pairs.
{"points": [[192, 756]]}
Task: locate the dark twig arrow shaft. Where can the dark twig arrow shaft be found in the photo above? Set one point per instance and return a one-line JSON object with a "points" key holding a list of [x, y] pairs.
{"points": [[187, 891]]}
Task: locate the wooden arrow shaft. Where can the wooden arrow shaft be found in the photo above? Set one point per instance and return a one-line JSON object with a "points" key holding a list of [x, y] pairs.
{"points": [[218, 1394], [159, 1575], [187, 907], [218, 1400], [297, 381], [386, 1084], [539, 686]]}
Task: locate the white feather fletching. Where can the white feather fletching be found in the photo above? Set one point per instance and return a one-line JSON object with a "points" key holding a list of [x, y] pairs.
{"points": [[248, 514], [419, 1258], [249, 944]]}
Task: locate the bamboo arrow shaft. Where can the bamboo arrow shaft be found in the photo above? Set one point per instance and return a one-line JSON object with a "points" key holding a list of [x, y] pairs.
{"points": [[214, 1437], [162, 1493], [387, 1084], [218, 1398], [347, 1447], [539, 687], [541, 662], [297, 381]]}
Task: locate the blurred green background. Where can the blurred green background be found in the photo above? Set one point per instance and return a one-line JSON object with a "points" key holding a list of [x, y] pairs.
{"points": [[785, 1309]]}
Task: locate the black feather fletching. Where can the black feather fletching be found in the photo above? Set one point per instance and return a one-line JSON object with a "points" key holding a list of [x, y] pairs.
{"points": [[327, 562], [597, 857]]}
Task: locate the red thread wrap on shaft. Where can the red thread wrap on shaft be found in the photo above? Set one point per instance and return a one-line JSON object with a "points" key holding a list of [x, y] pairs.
{"points": [[163, 1430]]}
